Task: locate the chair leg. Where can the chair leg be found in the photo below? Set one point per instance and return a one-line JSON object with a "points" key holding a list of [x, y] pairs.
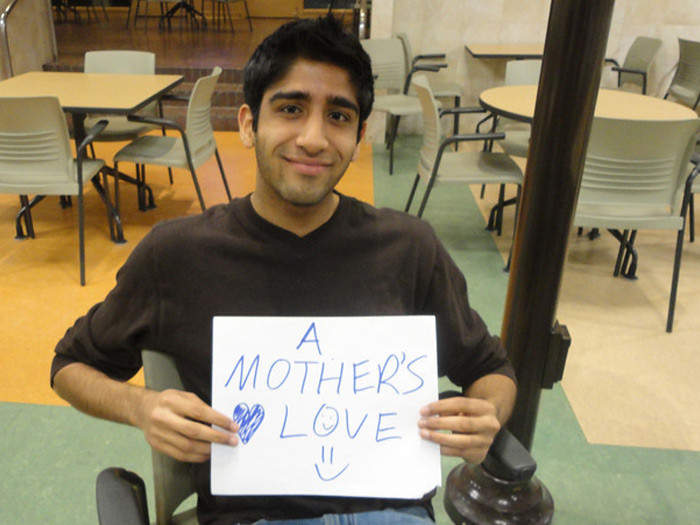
{"points": [[81, 233], [394, 127], [247, 14], [674, 280], [230, 19], [691, 217], [515, 226], [195, 181], [431, 182], [413, 192], [455, 129], [223, 175]]}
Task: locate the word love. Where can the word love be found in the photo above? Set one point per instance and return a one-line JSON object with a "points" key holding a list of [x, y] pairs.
{"points": [[329, 421]]}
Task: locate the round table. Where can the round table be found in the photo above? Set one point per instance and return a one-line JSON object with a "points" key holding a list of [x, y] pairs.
{"points": [[518, 103]]}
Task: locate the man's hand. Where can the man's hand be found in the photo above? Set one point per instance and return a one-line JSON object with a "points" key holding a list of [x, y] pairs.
{"points": [[174, 422], [178, 424], [471, 422]]}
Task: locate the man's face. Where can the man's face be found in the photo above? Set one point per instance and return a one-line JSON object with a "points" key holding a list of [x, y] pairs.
{"points": [[306, 134]]}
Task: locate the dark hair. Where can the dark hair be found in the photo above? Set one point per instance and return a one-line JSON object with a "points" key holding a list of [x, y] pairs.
{"points": [[319, 40]]}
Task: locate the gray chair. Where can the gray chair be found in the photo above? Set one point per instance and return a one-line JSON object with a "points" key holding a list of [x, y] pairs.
{"points": [[634, 178], [122, 62], [685, 85], [438, 165], [389, 68], [635, 68], [36, 159], [121, 494], [440, 88], [195, 145]]}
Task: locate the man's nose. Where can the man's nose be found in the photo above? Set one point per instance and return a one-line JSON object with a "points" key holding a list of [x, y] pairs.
{"points": [[312, 136]]}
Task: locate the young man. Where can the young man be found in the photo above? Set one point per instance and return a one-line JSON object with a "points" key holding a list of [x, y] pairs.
{"points": [[292, 247]]}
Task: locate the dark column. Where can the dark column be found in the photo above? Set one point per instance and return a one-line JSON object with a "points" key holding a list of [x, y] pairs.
{"points": [[574, 51]]}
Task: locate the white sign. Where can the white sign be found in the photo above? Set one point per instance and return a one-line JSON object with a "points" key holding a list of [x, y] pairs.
{"points": [[326, 405]]}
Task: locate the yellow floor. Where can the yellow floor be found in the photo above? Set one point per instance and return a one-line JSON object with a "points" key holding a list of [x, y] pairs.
{"points": [[628, 381], [39, 280]]}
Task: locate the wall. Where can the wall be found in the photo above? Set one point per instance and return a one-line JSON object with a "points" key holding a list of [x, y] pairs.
{"points": [[446, 25], [30, 34]]}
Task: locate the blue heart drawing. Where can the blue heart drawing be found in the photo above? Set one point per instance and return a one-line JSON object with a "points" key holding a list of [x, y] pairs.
{"points": [[248, 419]]}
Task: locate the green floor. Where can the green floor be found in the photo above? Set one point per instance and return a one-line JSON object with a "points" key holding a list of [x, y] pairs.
{"points": [[51, 456]]}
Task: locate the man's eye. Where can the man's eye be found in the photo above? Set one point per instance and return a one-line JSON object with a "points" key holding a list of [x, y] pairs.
{"points": [[339, 116], [290, 109]]}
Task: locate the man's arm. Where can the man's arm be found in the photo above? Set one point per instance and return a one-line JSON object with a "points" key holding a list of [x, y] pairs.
{"points": [[473, 420], [173, 422]]}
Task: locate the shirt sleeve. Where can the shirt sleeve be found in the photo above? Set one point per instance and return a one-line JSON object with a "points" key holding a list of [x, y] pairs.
{"points": [[113, 332], [466, 349]]}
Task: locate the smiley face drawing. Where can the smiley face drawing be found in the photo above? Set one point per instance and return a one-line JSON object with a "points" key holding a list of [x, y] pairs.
{"points": [[326, 421], [330, 471]]}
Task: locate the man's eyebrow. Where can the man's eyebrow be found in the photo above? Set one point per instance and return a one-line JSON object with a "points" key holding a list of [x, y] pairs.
{"points": [[333, 100], [343, 103], [290, 95]]}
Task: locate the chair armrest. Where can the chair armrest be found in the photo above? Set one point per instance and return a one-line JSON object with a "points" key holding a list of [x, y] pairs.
{"points": [[157, 121], [612, 61], [473, 136], [179, 98], [460, 110], [432, 67], [629, 70], [90, 136], [507, 458], [429, 56], [121, 498]]}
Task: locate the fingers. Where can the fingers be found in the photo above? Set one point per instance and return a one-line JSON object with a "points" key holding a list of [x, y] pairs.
{"points": [[463, 427], [178, 424]]}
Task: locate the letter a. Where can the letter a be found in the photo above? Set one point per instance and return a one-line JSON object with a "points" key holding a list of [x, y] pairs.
{"points": [[307, 338]]}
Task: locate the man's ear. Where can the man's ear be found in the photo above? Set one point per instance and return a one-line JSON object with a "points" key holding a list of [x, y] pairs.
{"points": [[245, 126], [356, 153]]}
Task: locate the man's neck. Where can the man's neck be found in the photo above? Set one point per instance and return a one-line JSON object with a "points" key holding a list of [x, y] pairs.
{"points": [[299, 220]]}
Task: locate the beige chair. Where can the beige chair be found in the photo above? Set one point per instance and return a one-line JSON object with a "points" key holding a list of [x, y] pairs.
{"points": [[121, 495], [517, 139], [389, 68], [195, 145], [685, 85], [439, 165], [122, 62], [635, 68], [440, 88], [634, 178], [36, 159]]}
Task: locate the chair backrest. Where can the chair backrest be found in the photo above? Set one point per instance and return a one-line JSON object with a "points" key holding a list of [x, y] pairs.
{"points": [[200, 132], [639, 57], [523, 72], [173, 480], [35, 150], [685, 86], [407, 51], [388, 63], [120, 61], [431, 127], [636, 170]]}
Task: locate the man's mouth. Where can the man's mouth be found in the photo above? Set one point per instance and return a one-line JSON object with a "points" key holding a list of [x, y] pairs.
{"points": [[307, 166]]}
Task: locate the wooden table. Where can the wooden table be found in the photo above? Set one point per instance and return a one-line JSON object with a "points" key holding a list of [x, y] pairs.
{"points": [[505, 51], [101, 93], [518, 103]]}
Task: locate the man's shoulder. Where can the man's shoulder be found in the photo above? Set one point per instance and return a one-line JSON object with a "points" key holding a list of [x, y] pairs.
{"points": [[387, 219]]}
